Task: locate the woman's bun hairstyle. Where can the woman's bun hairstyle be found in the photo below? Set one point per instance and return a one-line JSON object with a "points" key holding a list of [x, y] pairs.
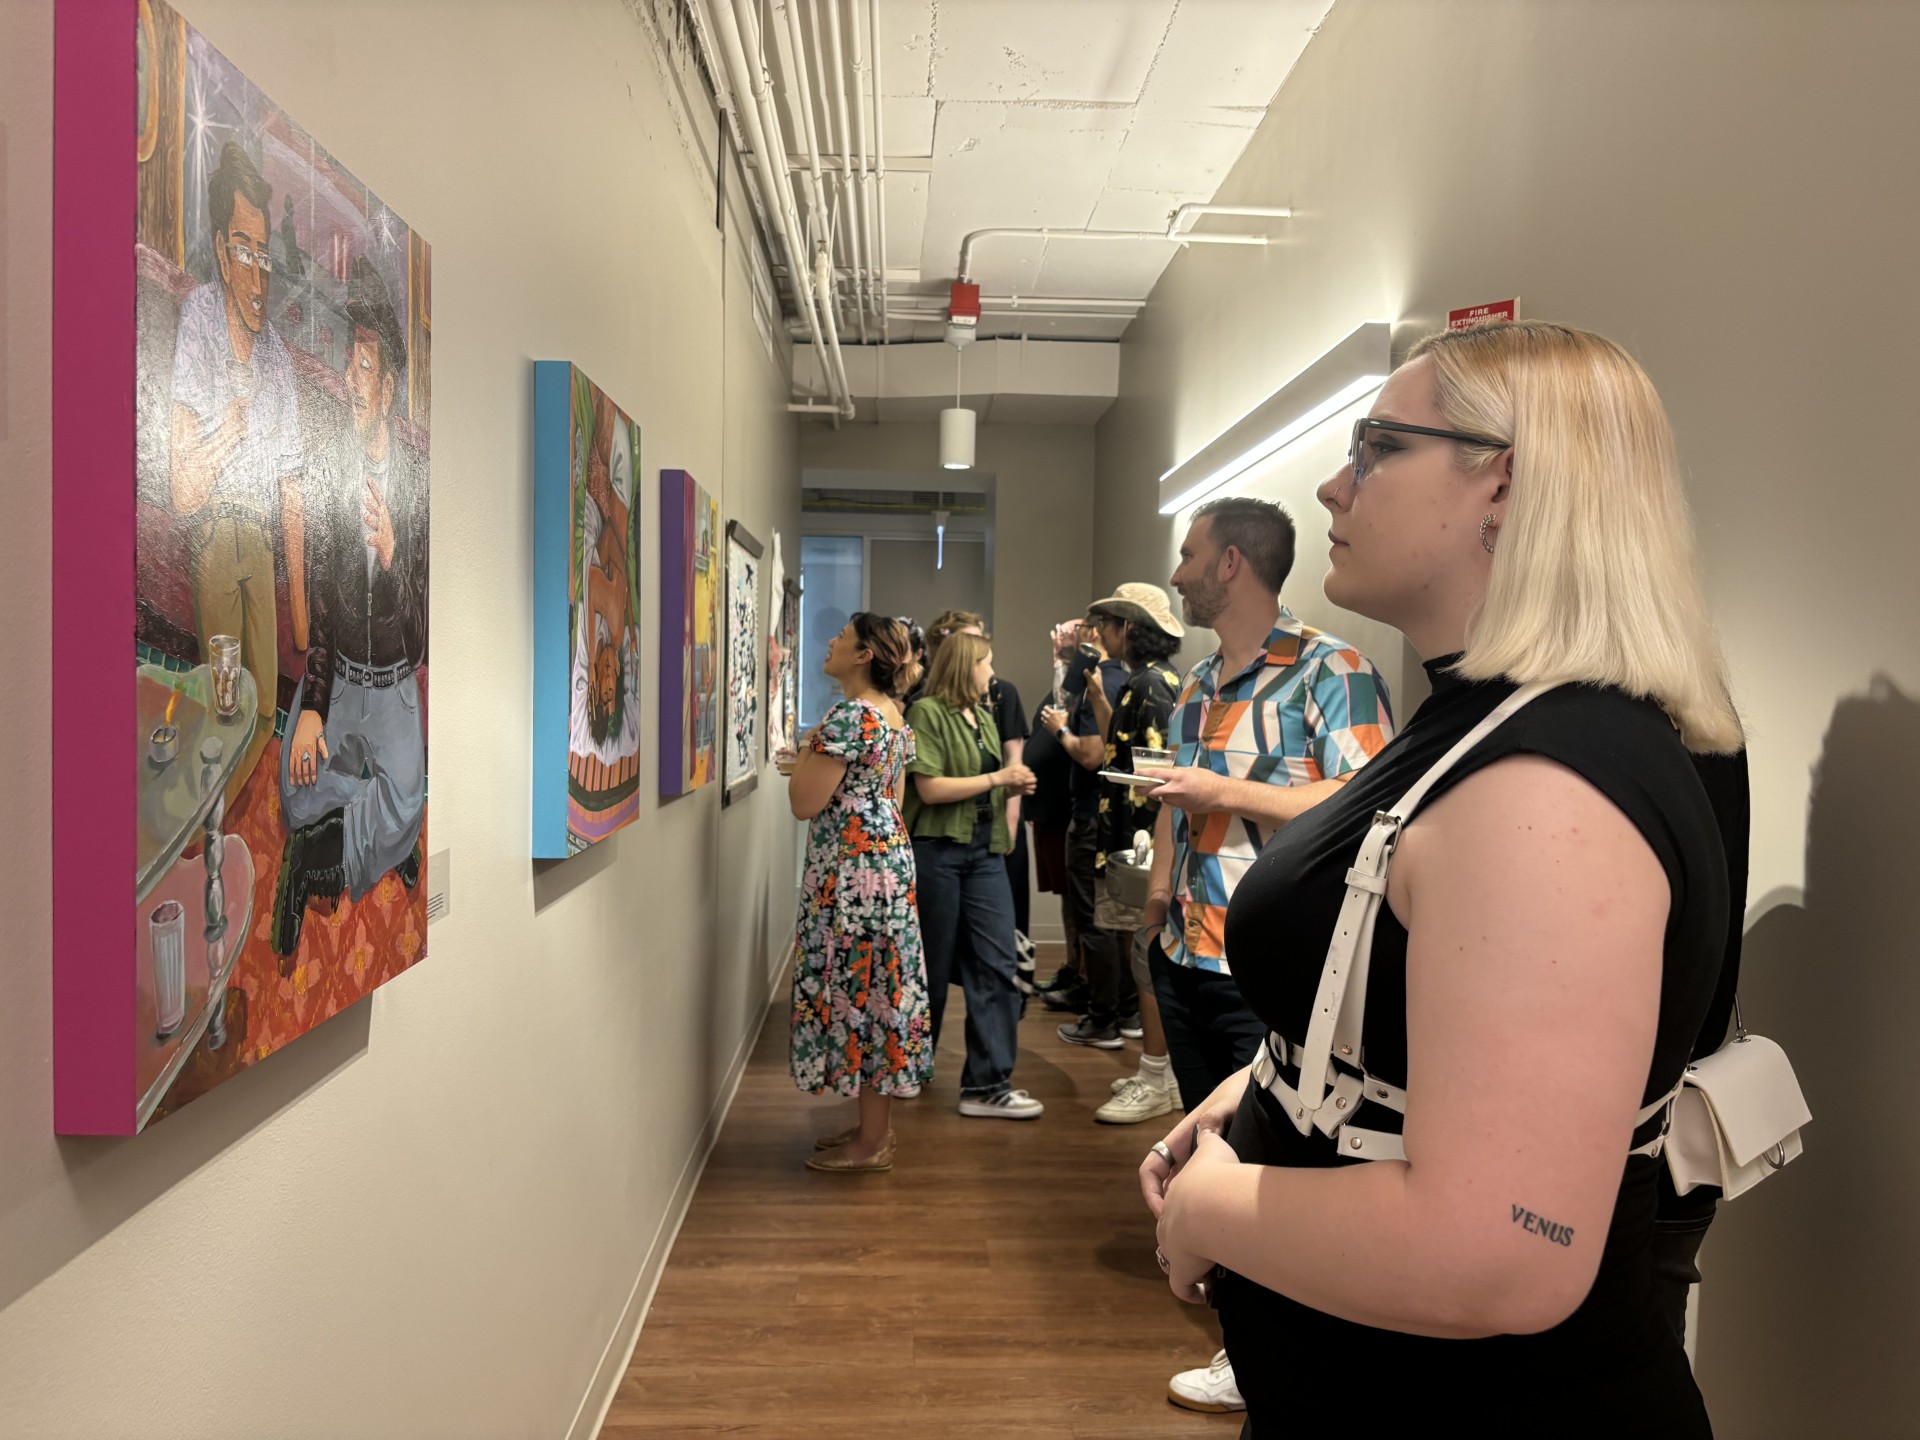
{"points": [[893, 669]]}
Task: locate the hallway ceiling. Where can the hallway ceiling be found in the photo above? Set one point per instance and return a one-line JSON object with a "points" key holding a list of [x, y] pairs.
{"points": [[1069, 113]]}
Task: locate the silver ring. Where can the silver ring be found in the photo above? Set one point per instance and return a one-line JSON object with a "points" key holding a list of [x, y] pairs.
{"points": [[1161, 1256], [1160, 1149]]}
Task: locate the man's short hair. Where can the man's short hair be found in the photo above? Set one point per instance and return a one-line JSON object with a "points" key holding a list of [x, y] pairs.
{"points": [[1261, 530], [236, 175]]}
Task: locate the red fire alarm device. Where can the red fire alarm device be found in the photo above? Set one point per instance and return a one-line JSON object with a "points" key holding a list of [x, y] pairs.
{"points": [[1498, 313], [963, 308]]}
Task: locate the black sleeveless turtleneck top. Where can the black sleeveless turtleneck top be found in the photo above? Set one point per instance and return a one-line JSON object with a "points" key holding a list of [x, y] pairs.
{"points": [[1613, 1367]]}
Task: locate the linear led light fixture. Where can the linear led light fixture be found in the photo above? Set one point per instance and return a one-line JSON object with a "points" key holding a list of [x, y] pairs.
{"points": [[1347, 373]]}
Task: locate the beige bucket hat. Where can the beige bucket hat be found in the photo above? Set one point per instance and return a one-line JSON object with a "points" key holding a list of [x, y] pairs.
{"points": [[1136, 601]]}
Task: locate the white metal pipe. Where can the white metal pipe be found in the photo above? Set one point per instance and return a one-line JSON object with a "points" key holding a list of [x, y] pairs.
{"points": [[1180, 219], [1021, 302], [798, 262], [801, 97], [835, 228], [1048, 233], [810, 408], [860, 131], [777, 187], [849, 184], [880, 158]]}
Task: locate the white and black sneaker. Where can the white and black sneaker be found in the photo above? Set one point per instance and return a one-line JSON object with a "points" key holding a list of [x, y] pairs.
{"points": [[1025, 952], [1130, 1026], [1007, 1105]]}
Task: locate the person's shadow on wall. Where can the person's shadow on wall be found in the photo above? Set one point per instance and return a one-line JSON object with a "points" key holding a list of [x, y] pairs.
{"points": [[1810, 1305]]}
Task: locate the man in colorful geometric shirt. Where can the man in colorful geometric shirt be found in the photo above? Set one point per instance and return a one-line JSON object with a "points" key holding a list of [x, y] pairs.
{"points": [[1266, 727]]}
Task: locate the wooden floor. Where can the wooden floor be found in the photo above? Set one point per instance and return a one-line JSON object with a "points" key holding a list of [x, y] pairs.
{"points": [[999, 1282]]}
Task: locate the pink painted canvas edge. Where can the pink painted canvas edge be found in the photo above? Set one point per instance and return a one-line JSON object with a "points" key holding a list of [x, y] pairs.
{"points": [[95, 175]]}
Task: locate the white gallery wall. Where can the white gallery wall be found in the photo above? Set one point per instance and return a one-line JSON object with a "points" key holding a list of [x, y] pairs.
{"points": [[428, 1217], [1726, 187]]}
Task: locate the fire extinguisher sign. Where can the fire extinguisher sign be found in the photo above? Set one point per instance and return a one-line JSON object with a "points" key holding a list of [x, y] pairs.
{"points": [[1498, 313]]}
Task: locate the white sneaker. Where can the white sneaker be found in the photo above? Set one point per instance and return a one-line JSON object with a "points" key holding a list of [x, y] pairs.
{"points": [[1135, 1100], [906, 1092], [1141, 1076], [1008, 1105], [1210, 1390]]}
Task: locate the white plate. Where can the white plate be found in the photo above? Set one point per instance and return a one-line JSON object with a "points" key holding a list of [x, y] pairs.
{"points": [[1138, 782]]}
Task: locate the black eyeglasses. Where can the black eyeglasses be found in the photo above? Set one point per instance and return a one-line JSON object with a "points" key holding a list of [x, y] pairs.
{"points": [[1363, 454]]}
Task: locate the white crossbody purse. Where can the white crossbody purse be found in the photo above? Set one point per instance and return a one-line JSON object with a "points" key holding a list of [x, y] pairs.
{"points": [[1734, 1118]]}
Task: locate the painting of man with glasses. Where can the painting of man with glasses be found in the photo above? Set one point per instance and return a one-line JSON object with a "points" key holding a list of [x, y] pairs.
{"points": [[237, 452]]}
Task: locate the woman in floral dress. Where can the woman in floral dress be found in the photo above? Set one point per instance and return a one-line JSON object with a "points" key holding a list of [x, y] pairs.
{"points": [[860, 1016]]}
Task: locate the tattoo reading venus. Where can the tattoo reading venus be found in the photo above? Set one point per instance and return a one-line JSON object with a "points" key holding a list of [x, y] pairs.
{"points": [[1545, 1229]]}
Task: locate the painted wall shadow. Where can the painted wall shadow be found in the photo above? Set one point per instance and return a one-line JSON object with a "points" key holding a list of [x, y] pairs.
{"points": [[1808, 1317]]}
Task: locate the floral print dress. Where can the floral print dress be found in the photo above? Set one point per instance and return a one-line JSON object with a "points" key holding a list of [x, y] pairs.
{"points": [[860, 1017]]}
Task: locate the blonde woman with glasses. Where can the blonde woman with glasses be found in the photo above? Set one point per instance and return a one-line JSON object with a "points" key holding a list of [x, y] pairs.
{"points": [[1455, 1223]]}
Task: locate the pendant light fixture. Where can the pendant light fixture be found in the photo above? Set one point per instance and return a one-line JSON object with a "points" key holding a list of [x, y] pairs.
{"points": [[956, 427]]}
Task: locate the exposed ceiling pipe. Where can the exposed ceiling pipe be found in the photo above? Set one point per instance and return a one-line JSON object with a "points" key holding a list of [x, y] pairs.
{"points": [[880, 160], [1048, 233], [1020, 303], [850, 184], [777, 187], [837, 228], [1182, 219], [800, 98], [860, 129]]}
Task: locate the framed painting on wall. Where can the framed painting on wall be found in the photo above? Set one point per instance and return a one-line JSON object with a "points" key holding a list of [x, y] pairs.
{"points": [[689, 634], [586, 609], [783, 640], [241, 511], [742, 739]]}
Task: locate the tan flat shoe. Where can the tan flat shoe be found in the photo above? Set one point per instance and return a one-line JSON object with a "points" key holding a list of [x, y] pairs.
{"points": [[834, 1142], [840, 1164]]}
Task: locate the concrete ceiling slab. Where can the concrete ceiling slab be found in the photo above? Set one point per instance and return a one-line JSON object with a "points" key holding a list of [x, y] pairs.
{"points": [[1069, 50]]}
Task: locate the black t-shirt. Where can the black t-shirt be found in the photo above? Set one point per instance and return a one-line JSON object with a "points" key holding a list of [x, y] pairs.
{"points": [[1004, 700], [1051, 804], [1086, 784], [1613, 1363]]}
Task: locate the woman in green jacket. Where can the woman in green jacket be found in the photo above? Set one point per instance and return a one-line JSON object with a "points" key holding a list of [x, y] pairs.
{"points": [[956, 812]]}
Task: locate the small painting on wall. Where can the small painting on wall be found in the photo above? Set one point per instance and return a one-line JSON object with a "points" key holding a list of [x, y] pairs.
{"points": [[586, 626], [690, 633], [783, 657], [743, 662], [242, 333]]}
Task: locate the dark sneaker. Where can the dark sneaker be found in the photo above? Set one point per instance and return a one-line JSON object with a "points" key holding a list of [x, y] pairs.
{"points": [[1130, 1026], [1084, 1032], [1068, 1002], [1065, 978]]}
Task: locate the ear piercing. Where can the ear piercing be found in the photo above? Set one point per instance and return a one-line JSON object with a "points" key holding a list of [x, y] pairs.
{"points": [[1486, 544]]}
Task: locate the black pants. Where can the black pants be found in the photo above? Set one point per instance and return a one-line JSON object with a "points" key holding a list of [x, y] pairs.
{"points": [[1112, 993], [1022, 885], [1210, 1031]]}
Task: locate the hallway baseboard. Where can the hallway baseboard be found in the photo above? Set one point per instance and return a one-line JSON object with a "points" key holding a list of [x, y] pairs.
{"points": [[618, 1354]]}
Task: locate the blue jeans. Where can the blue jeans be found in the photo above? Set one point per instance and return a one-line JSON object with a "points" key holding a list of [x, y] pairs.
{"points": [[1210, 1031], [966, 915]]}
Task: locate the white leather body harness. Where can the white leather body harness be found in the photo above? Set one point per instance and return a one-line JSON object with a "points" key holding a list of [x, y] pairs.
{"points": [[1333, 1078]]}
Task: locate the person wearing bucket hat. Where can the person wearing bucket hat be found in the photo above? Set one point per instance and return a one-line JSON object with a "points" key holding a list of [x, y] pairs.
{"points": [[1137, 627]]}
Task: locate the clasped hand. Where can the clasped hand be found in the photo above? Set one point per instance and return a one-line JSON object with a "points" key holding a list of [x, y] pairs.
{"points": [[1198, 1145]]}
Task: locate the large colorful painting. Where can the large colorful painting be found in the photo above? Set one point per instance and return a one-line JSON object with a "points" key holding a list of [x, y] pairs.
{"points": [[783, 657], [586, 625], [743, 662], [241, 338], [689, 635]]}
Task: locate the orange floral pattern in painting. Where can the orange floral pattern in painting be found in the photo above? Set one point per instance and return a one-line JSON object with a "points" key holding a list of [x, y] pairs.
{"points": [[347, 949]]}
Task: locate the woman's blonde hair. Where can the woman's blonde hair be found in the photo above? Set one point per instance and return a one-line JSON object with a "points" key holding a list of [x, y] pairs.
{"points": [[950, 670], [1596, 577]]}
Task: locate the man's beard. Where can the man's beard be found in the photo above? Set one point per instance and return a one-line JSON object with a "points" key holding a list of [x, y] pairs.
{"points": [[1202, 600]]}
